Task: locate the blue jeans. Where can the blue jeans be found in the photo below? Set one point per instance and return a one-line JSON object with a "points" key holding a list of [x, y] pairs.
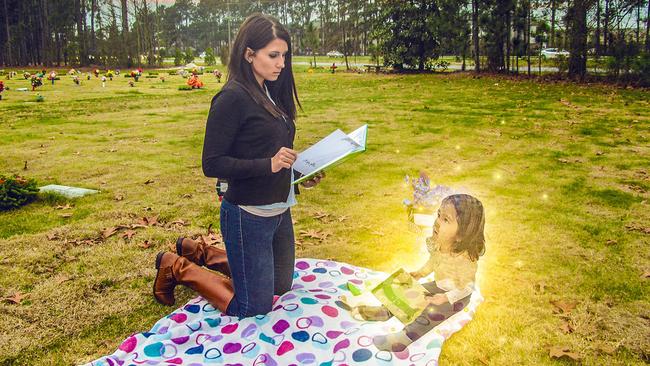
{"points": [[261, 255]]}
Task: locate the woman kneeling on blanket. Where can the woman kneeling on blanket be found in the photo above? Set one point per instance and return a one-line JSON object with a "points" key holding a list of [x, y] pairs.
{"points": [[249, 142], [455, 247]]}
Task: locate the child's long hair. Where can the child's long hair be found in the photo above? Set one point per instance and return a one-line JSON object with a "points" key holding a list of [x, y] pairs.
{"points": [[471, 222]]}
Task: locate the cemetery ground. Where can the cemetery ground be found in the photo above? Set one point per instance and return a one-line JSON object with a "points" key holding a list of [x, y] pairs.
{"points": [[562, 170]]}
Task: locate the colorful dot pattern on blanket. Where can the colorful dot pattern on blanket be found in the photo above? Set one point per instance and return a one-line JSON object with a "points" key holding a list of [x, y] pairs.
{"points": [[309, 325]]}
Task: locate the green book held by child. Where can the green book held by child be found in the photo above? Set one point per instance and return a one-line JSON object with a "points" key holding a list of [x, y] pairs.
{"points": [[402, 295]]}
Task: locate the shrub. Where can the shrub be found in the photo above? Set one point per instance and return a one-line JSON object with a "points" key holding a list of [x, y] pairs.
{"points": [[641, 67], [623, 57], [209, 57], [16, 191], [178, 57], [562, 64], [442, 64], [189, 56], [224, 55], [151, 76], [152, 73], [162, 53], [184, 87]]}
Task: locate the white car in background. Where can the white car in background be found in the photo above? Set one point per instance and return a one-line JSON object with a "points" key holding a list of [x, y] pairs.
{"points": [[553, 53], [334, 54]]}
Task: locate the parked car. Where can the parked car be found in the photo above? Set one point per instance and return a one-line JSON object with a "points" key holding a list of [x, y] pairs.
{"points": [[554, 52], [334, 54]]}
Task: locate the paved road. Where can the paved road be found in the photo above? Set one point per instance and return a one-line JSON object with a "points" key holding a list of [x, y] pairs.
{"points": [[522, 66]]}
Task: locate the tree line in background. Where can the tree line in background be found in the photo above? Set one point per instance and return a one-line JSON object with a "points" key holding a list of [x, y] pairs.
{"points": [[492, 35]]}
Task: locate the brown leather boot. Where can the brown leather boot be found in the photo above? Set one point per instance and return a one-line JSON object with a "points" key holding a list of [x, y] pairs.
{"points": [[203, 255], [175, 270]]}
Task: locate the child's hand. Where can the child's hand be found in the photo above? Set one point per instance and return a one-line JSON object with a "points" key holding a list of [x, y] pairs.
{"points": [[437, 299], [311, 183], [417, 275]]}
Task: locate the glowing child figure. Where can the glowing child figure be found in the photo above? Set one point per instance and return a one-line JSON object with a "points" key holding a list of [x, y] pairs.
{"points": [[454, 248]]}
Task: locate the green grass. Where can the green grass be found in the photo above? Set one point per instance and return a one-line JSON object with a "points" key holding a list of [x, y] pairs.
{"points": [[560, 182]]}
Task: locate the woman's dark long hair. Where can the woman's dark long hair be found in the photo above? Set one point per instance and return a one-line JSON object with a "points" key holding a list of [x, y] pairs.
{"points": [[257, 31], [471, 223]]}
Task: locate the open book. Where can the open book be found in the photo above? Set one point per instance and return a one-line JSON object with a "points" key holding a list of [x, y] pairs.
{"points": [[402, 295], [333, 149]]}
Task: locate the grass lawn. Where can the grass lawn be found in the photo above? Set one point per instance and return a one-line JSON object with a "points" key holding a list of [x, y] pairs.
{"points": [[562, 169]]}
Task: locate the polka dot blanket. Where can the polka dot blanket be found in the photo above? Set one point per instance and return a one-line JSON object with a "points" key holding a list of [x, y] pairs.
{"points": [[309, 325]]}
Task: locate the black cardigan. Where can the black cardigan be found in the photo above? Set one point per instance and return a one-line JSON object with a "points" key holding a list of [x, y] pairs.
{"points": [[241, 137]]}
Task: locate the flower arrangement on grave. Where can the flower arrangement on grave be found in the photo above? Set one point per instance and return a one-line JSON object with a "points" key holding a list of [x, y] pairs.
{"points": [[131, 83], [16, 191], [36, 82], [72, 72], [426, 199], [96, 72], [162, 78], [52, 76], [194, 82], [217, 74], [2, 88], [109, 74], [26, 75], [76, 80], [40, 98], [135, 74]]}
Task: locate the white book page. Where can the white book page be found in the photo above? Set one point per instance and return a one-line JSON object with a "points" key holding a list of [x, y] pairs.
{"points": [[333, 147], [359, 136]]}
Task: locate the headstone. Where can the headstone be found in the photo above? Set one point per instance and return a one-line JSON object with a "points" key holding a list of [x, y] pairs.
{"points": [[70, 192]]}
